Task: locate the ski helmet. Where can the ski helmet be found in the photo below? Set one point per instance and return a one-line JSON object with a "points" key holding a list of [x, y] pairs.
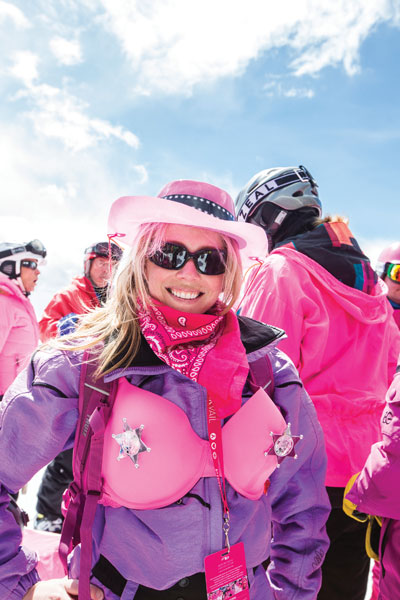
{"points": [[284, 189], [100, 249], [12, 254], [388, 256]]}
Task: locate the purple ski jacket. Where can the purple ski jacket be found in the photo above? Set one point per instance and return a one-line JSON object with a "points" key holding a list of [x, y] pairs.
{"points": [[376, 491], [156, 548]]}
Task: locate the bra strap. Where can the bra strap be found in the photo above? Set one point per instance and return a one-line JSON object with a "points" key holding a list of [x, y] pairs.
{"points": [[262, 374], [96, 399]]}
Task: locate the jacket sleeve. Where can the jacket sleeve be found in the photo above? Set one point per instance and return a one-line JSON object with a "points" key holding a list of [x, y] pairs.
{"points": [[375, 491], [276, 296], [5, 321], [59, 306], [38, 417], [300, 505]]}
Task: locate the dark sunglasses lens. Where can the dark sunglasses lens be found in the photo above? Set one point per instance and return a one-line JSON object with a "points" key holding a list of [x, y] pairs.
{"points": [[180, 255], [211, 262], [30, 264], [169, 257], [173, 256]]}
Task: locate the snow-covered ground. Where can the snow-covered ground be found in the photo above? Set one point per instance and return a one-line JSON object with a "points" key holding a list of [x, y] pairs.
{"points": [[27, 498], [27, 501]]}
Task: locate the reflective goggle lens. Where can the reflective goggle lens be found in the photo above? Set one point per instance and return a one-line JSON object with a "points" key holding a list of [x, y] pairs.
{"points": [[102, 249], [208, 261], [36, 247], [393, 272]]}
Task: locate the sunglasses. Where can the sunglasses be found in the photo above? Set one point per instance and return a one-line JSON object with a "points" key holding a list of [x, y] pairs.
{"points": [[30, 264], [208, 261], [393, 272]]}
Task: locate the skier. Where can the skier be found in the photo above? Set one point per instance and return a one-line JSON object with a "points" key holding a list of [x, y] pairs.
{"points": [[376, 491], [19, 335], [188, 376], [318, 286], [60, 317], [82, 294], [388, 268]]}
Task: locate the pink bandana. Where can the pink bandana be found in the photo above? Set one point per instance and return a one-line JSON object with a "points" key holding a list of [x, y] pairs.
{"points": [[206, 348]]}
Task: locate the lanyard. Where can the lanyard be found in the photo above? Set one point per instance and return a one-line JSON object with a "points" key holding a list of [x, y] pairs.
{"points": [[215, 439]]}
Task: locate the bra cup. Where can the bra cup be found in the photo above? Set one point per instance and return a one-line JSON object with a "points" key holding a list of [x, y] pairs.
{"points": [[176, 459], [245, 438]]}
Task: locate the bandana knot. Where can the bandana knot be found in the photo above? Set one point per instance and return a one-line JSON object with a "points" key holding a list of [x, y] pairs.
{"points": [[206, 348]]}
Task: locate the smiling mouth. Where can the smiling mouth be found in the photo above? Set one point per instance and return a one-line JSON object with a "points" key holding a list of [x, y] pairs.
{"points": [[184, 295]]}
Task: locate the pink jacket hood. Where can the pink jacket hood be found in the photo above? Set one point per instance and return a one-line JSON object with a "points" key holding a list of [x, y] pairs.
{"points": [[10, 287], [368, 309]]}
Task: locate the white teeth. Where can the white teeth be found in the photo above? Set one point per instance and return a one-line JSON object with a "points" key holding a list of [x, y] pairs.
{"points": [[185, 295]]}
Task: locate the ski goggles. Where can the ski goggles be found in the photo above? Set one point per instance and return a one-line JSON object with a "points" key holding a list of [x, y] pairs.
{"points": [[393, 272], [103, 249], [208, 261], [36, 247], [29, 264]]}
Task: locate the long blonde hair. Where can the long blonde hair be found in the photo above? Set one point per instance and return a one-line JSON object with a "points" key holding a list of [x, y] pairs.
{"points": [[113, 331], [331, 219]]}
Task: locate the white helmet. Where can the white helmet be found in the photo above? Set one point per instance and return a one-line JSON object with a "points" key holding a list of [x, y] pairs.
{"points": [[288, 188], [11, 255], [388, 256]]}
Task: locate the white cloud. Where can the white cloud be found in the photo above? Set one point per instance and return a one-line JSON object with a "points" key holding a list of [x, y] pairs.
{"points": [[175, 44], [335, 33], [25, 67], [277, 88], [67, 52], [12, 12], [60, 197], [60, 115], [299, 93], [141, 173]]}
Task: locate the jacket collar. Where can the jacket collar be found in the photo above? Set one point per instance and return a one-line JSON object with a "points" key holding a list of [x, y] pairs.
{"points": [[254, 335]]}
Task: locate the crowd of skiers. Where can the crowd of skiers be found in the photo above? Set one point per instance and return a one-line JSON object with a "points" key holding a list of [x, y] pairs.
{"points": [[244, 356]]}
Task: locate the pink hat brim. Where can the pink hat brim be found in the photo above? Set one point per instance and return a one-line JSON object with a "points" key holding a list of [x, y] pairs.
{"points": [[129, 212]]}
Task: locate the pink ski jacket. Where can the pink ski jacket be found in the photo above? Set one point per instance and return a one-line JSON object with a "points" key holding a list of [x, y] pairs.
{"points": [[377, 492], [396, 316], [344, 343], [19, 331]]}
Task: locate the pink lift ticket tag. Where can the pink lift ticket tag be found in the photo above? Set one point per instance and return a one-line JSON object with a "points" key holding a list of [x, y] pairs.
{"points": [[226, 574]]}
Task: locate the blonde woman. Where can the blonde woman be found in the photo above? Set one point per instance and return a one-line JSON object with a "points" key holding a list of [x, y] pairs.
{"points": [[206, 409]]}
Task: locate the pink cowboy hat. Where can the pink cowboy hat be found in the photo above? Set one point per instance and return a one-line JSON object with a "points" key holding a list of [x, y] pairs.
{"points": [[186, 202]]}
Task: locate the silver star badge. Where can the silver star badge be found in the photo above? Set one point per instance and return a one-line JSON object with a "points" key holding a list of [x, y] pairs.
{"points": [[130, 442], [283, 444]]}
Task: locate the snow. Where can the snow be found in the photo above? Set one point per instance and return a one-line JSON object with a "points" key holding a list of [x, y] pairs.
{"points": [[27, 496]]}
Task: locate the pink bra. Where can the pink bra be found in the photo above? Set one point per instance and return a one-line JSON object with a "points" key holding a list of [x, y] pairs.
{"points": [[152, 457]]}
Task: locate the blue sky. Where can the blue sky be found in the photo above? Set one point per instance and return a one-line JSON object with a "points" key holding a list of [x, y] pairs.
{"points": [[103, 98]]}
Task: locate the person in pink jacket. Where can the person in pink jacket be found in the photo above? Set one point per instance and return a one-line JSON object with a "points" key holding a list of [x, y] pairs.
{"points": [[319, 287], [376, 491], [19, 332], [388, 268]]}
